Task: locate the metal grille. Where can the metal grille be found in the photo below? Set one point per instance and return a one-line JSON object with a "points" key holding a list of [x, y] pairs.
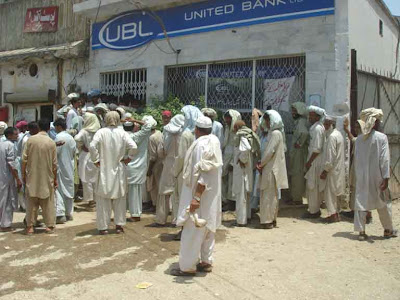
{"points": [[237, 85], [187, 83], [278, 68], [119, 84]]}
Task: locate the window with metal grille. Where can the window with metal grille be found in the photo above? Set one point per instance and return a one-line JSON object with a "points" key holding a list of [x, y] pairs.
{"points": [[237, 85], [124, 83]]}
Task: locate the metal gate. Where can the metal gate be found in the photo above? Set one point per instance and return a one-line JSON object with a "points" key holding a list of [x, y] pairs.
{"points": [[130, 82], [381, 91], [236, 85]]}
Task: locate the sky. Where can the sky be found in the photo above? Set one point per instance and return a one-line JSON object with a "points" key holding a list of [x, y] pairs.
{"points": [[394, 6]]}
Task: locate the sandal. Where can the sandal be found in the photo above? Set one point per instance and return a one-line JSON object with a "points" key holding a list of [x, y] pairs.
{"points": [[119, 229], [103, 232], [179, 272], [206, 268], [363, 236], [387, 234], [49, 230]]}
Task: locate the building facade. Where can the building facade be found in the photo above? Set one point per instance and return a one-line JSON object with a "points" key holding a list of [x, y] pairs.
{"points": [[43, 53]]}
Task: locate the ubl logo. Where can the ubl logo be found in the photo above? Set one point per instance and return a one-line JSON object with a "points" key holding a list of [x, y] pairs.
{"points": [[127, 31]]}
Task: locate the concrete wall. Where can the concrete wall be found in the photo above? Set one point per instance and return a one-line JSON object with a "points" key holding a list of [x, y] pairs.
{"points": [[314, 37], [12, 17], [373, 50]]}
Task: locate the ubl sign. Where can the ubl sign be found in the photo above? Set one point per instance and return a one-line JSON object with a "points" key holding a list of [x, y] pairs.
{"points": [[134, 29]]}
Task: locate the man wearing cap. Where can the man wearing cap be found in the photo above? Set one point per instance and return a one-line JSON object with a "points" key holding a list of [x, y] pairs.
{"points": [[9, 180], [100, 110], [93, 99], [166, 117], [372, 166], [201, 195], [298, 153], [136, 170], [107, 151], [22, 127], [313, 166], [333, 169]]}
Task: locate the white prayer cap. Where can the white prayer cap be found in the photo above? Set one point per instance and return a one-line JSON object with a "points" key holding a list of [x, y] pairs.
{"points": [[318, 110], [90, 109], [128, 124], [211, 113], [331, 118], [128, 115], [203, 122], [73, 95], [3, 126]]}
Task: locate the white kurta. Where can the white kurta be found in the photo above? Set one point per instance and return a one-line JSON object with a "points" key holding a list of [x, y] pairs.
{"points": [[298, 159], [242, 182], [273, 178], [154, 180], [137, 169], [333, 163], [372, 166], [218, 131], [314, 184], [226, 173], [109, 147], [198, 243], [255, 198], [65, 174], [72, 113], [8, 190]]}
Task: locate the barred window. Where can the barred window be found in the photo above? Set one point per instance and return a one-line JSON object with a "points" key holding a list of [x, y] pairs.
{"points": [[120, 84], [238, 85]]}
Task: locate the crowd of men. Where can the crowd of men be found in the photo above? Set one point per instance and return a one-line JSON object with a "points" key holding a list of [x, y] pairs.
{"points": [[194, 169]]}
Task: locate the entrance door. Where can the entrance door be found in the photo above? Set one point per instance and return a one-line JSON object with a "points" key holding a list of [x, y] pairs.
{"points": [[46, 112]]}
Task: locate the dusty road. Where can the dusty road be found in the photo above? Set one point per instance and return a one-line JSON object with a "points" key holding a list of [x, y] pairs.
{"points": [[298, 260]]}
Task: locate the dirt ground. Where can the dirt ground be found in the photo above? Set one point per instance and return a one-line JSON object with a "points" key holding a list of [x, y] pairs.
{"points": [[298, 260]]}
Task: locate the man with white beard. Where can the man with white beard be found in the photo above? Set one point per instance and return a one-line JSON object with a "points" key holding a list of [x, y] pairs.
{"points": [[107, 151], [372, 166], [333, 169], [314, 162], [168, 151], [200, 198]]}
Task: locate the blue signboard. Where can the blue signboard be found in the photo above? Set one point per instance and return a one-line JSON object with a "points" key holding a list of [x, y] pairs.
{"points": [[137, 28]]}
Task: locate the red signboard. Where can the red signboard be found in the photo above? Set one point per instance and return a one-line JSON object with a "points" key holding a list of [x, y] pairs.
{"points": [[43, 19]]}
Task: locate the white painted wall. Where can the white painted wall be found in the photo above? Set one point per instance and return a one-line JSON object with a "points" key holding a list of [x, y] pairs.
{"points": [[314, 37], [373, 50]]}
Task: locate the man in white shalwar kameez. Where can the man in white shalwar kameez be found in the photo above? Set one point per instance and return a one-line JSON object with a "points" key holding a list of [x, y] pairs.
{"points": [[218, 128], [298, 153], [107, 151], [65, 191], [169, 152], [273, 170], [136, 170], [88, 172], [191, 114], [73, 112], [200, 197], [372, 168], [333, 169], [230, 118], [245, 141], [9, 180], [314, 162]]}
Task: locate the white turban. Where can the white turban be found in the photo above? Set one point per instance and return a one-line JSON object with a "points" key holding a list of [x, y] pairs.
{"points": [[73, 95], [301, 108], [211, 113], [203, 122], [318, 110], [3, 126], [149, 120], [276, 123], [112, 119], [369, 116], [191, 114]]}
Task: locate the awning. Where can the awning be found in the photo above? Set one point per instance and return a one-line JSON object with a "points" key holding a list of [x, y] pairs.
{"points": [[70, 50], [31, 97]]}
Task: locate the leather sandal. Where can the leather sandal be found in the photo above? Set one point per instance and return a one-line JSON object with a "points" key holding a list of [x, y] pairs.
{"points": [[179, 272]]}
